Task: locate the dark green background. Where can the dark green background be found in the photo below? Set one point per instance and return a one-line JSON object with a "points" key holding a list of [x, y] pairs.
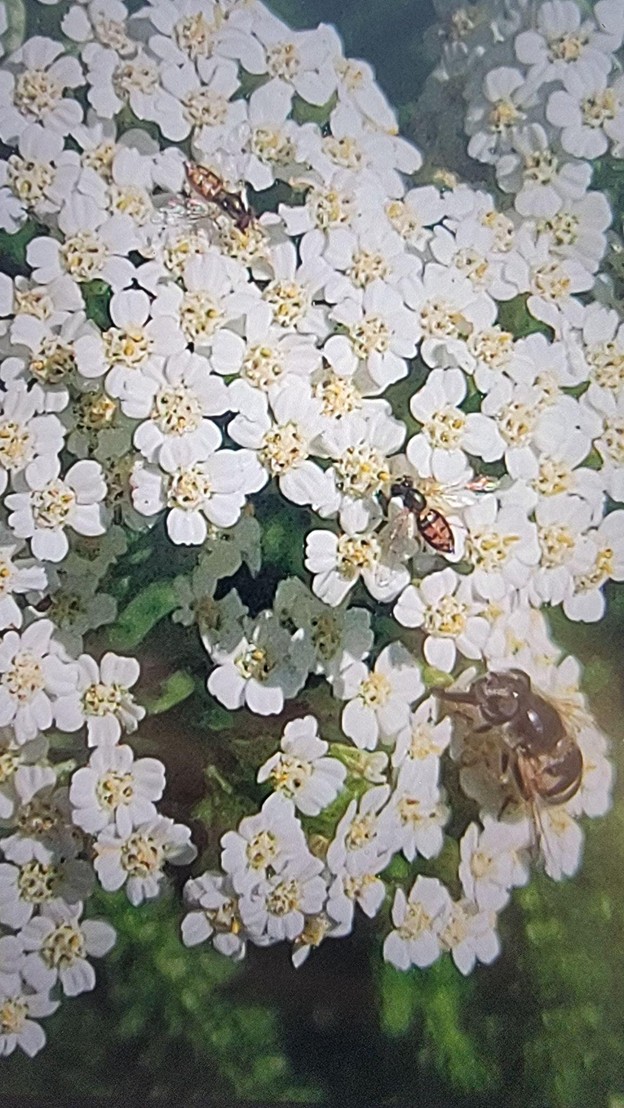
{"points": [[541, 1027]]}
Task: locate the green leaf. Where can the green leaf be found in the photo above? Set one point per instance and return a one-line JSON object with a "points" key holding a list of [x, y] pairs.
{"points": [[16, 24], [303, 112], [514, 316], [452, 1048], [97, 296], [176, 688], [142, 614], [399, 1001], [13, 248]]}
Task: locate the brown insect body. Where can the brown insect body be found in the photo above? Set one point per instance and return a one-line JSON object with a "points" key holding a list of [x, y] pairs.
{"points": [[211, 188], [541, 756], [431, 524]]}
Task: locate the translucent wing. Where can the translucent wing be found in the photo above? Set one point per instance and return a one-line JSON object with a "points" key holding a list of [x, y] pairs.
{"points": [[176, 210]]}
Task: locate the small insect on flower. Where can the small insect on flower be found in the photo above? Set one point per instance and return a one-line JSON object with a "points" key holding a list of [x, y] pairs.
{"points": [[212, 188], [431, 524], [540, 755]]}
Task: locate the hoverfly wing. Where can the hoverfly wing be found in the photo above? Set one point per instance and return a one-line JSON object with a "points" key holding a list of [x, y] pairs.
{"points": [[177, 210]]}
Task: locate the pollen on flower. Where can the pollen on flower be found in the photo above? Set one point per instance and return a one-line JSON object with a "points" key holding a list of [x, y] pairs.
{"points": [[481, 864], [355, 887], [554, 477], [489, 550], [9, 761], [138, 75], [612, 440], [83, 255], [551, 281], [568, 47], [141, 856], [338, 395], [325, 635], [53, 362], [404, 221], [37, 92], [416, 922], [102, 700], [35, 301], [177, 411], [13, 1015], [440, 319], [194, 34], [262, 850], [100, 158], [422, 742], [370, 336], [29, 179], [557, 544], [188, 489], [133, 201], [115, 789], [493, 347], [564, 228], [345, 152], [262, 366], [254, 663], [112, 33], [38, 882], [361, 471], [25, 678], [606, 360], [284, 898], [53, 504], [360, 833], [473, 265], [445, 428], [63, 946], [375, 690], [329, 207], [503, 228], [282, 60], [272, 146], [600, 572], [290, 774], [95, 411], [288, 300], [16, 445], [600, 107], [283, 448], [504, 115], [447, 617], [516, 422], [357, 553], [541, 166], [200, 317], [204, 107], [367, 266]]}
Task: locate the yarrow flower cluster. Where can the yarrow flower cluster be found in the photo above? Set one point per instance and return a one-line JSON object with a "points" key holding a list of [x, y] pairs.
{"points": [[189, 369]]}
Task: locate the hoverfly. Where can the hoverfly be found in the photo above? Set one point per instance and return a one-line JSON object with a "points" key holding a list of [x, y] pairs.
{"points": [[431, 524], [212, 189], [206, 188], [433, 527]]}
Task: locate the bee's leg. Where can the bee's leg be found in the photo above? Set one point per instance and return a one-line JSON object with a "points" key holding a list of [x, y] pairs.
{"points": [[456, 697]]}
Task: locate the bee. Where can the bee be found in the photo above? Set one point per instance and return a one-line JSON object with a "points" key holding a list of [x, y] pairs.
{"points": [[540, 756], [211, 188]]}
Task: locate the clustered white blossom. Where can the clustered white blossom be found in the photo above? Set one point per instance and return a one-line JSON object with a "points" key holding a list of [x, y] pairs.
{"points": [[164, 364]]}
